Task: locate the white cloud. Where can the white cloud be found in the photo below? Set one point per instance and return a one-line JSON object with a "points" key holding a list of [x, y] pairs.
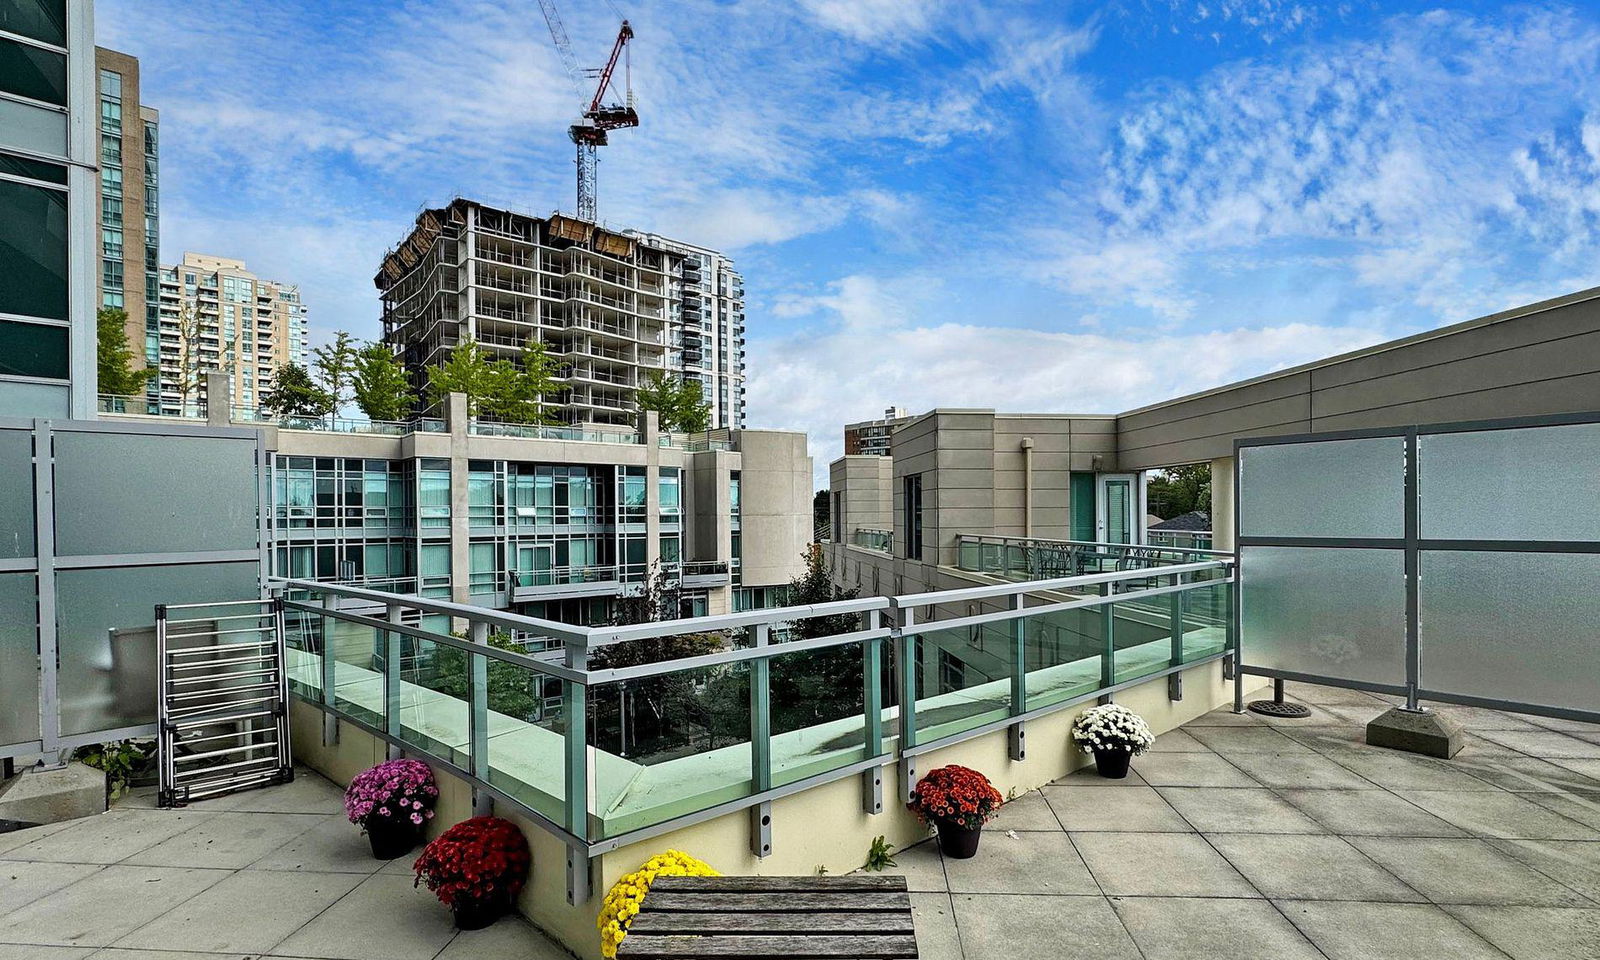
{"points": [[888, 22]]}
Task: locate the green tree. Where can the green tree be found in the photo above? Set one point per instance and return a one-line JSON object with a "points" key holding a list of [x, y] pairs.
{"points": [[381, 387], [513, 691], [294, 393], [467, 371], [335, 366], [824, 684], [1179, 490], [518, 391], [680, 403], [115, 360]]}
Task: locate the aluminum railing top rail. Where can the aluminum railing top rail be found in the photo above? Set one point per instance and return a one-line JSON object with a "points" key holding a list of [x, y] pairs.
{"points": [[1034, 586], [1103, 545], [601, 636], [563, 631]]}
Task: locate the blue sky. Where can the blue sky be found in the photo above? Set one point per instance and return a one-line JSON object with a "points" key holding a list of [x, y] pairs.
{"points": [[1036, 207]]}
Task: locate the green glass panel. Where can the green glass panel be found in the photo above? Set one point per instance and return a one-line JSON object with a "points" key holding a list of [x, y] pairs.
{"points": [[16, 505], [816, 706], [434, 685], [1206, 611], [527, 737], [33, 169], [33, 278], [19, 651], [32, 349], [963, 678], [357, 669], [1063, 652], [42, 20], [28, 71]]}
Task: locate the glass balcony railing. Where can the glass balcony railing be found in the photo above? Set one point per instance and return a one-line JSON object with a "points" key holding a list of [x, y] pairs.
{"points": [[1021, 558], [875, 540], [749, 706], [1191, 539], [531, 431]]}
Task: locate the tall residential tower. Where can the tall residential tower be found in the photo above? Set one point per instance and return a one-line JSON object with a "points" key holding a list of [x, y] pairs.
{"points": [[129, 234]]}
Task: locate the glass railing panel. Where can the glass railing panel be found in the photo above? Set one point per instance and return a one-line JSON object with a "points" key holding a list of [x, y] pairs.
{"points": [[527, 736], [435, 681], [302, 638], [1141, 635], [963, 678], [817, 719], [967, 554], [668, 745], [357, 669], [1063, 652], [1206, 611]]}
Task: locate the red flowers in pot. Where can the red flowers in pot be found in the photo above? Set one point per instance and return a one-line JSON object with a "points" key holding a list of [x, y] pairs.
{"points": [[958, 801], [476, 868]]}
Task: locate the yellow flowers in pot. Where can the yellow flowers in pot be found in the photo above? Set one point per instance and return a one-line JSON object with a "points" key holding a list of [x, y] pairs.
{"points": [[627, 894]]}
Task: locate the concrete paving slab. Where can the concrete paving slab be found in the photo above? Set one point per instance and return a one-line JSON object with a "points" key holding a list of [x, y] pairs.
{"points": [[1191, 770], [381, 919], [1037, 863], [118, 953], [1386, 931], [1572, 862], [1478, 718], [309, 792], [228, 840], [1585, 768], [1159, 865], [1467, 872], [1087, 777], [21, 882], [1263, 739], [1238, 810], [1140, 809], [1566, 726], [1310, 868], [1325, 737], [1368, 813], [1582, 806], [1546, 744], [1177, 741], [1042, 928], [1299, 770], [278, 905], [1521, 773], [935, 919], [509, 938], [105, 906], [333, 845], [1501, 815], [1320, 694], [1174, 928], [18, 951], [17, 838], [1536, 933], [1223, 717], [921, 865], [1027, 812], [1361, 713], [112, 836], [1404, 771]]}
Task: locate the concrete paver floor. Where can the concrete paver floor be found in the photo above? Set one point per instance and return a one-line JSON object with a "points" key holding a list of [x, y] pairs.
{"points": [[276, 872], [1242, 838]]}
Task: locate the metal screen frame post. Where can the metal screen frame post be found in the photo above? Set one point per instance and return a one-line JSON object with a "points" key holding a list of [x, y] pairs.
{"points": [[576, 776], [164, 732], [1016, 734], [872, 714], [44, 542], [906, 682], [761, 741], [391, 681], [1108, 649], [478, 718], [1413, 559]]}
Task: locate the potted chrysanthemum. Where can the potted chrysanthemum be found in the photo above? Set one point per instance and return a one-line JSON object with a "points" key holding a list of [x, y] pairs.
{"points": [[1115, 735], [957, 801], [392, 802], [476, 869], [627, 895]]}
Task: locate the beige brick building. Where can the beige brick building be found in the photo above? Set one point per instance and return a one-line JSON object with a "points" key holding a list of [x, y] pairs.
{"points": [[128, 212]]}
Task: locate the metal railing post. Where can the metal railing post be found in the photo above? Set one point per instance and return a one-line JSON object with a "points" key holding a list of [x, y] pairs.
{"points": [[391, 680], [1019, 678], [330, 720], [905, 648], [576, 764], [1175, 620], [478, 718], [761, 742], [872, 715], [1108, 649]]}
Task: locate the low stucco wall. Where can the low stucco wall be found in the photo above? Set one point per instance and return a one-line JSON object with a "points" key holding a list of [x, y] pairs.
{"points": [[822, 827]]}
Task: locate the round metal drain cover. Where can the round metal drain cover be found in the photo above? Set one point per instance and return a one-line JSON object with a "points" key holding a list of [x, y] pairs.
{"points": [[1279, 708]]}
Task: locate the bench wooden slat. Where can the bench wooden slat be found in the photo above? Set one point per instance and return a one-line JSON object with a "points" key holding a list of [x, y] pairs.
{"points": [[864, 882], [656, 923], [667, 900], [896, 947]]}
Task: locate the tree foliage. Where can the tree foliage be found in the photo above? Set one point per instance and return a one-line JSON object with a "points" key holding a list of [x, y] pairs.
{"points": [[497, 389], [512, 690], [294, 393], [381, 387], [335, 366], [824, 684], [1179, 490], [680, 404], [114, 358]]}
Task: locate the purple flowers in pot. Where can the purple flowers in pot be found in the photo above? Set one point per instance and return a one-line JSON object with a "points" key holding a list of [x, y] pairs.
{"points": [[397, 791]]}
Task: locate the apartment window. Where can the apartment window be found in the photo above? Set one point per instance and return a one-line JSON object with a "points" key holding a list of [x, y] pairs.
{"points": [[111, 274], [111, 181], [110, 116], [33, 169], [913, 516], [30, 72], [42, 20], [33, 251], [670, 553], [433, 494], [670, 486], [111, 211], [111, 84], [735, 510], [33, 350], [110, 149], [111, 243]]}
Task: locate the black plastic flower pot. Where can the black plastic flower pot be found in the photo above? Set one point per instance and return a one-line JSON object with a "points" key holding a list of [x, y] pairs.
{"points": [[956, 841], [1112, 764], [475, 914], [392, 839]]}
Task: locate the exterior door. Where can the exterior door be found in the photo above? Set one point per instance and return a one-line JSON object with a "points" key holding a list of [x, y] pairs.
{"points": [[1118, 502]]}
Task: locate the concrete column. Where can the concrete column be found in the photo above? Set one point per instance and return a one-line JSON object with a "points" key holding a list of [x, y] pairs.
{"points": [[219, 398], [457, 420], [1222, 516]]}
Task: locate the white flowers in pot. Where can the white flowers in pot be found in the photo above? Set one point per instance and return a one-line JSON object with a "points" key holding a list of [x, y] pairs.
{"points": [[1109, 727]]}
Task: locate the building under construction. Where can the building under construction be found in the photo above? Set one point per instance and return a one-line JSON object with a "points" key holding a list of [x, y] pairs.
{"points": [[608, 306]]}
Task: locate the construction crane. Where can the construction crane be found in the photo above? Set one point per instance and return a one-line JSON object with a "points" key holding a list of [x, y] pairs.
{"points": [[599, 116]]}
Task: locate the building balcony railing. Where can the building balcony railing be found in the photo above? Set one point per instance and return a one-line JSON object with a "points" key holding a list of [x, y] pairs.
{"points": [[1192, 539], [532, 431], [1021, 558], [1012, 653], [881, 540]]}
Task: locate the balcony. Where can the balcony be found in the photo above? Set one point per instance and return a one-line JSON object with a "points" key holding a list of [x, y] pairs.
{"points": [[1019, 558], [879, 540]]}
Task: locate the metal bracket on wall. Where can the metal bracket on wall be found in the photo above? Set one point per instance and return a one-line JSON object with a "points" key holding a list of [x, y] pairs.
{"points": [[908, 778], [1018, 741], [761, 830], [872, 790], [579, 875], [1174, 686], [482, 803]]}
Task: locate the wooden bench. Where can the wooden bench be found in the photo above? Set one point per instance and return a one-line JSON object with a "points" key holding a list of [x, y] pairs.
{"points": [[866, 917]]}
